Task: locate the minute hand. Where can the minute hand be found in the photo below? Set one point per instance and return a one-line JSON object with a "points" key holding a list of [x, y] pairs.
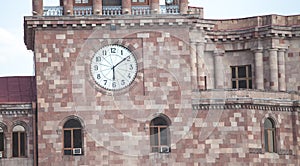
{"points": [[120, 62]]}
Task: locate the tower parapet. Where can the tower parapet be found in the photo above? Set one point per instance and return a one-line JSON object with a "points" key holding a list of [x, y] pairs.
{"points": [[116, 7]]}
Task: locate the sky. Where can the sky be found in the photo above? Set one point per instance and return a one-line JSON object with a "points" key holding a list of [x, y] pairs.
{"points": [[16, 60]]}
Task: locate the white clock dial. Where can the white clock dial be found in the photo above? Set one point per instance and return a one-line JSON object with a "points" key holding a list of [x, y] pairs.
{"points": [[113, 67]]}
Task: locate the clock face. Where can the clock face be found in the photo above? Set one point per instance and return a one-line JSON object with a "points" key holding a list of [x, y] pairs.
{"points": [[113, 67]]}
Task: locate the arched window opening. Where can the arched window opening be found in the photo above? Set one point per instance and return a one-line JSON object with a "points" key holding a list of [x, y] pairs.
{"points": [[72, 137], [1, 142], [159, 135], [19, 141], [269, 133]]}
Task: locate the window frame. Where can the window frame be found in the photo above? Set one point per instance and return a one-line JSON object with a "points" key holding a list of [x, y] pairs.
{"points": [[19, 150], [72, 129], [155, 146], [2, 138], [90, 3], [146, 3], [270, 133], [248, 77]]}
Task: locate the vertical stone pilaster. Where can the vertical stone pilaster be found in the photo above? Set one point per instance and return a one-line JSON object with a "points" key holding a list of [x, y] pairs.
{"points": [[193, 52], [273, 62], [281, 70], [200, 63], [219, 69], [68, 7], [155, 7], [37, 7], [97, 7], [183, 6], [259, 69], [126, 6]]}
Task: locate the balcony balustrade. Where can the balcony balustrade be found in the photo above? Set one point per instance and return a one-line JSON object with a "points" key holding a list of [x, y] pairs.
{"points": [[114, 10], [140, 10], [53, 11], [111, 10], [83, 10]]}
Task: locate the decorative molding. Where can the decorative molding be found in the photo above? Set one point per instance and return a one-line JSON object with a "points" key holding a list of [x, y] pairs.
{"points": [[285, 152], [15, 109], [256, 150], [243, 106]]}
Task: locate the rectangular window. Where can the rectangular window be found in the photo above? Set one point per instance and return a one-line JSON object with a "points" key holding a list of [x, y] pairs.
{"points": [[241, 77], [112, 3], [139, 2], [72, 139], [82, 2]]}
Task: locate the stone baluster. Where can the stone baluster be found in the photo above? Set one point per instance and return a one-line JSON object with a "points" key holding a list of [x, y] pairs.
{"points": [[68, 7], [126, 6], [281, 69], [183, 6], [37, 7], [155, 7], [97, 7], [273, 63], [259, 68], [219, 69]]}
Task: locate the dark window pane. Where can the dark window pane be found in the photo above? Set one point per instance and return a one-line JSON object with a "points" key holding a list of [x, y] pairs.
{"points": [[271, 141], [163, 136], [242, 84], [67, 138], [72, 123], [112, 3], [266, 141], [250, 84], [67, 152], [15, 145], [233, 72], [77, 139], [22, 144], [159, 122], [268, 124], [1, 142], [234, 84], [249, 71], [242, 71]]}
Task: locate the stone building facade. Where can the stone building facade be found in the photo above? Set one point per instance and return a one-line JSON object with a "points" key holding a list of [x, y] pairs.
{"points": [[205, 92]]}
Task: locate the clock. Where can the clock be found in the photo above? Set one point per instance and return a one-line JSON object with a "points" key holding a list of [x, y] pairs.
{"points": [[113, 67]]}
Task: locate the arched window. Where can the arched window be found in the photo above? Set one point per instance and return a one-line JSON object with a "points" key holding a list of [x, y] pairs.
{"points": [[269, 132], [159, 135], [1, 142], [19, 141], [73, 137]]}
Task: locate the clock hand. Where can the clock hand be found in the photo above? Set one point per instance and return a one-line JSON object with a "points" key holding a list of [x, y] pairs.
{"points": [[113, 69]]}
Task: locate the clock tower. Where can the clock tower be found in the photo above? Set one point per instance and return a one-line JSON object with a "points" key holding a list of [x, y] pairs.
{"points": [[114, 79], [151, 82]]}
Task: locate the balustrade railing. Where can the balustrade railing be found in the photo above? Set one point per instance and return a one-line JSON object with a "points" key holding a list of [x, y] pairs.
{"points": [[53, 11], [111, 10], [140, 10], [83, 10], [172, 9]]}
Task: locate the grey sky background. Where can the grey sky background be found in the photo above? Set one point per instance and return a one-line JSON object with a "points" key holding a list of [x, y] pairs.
{"points": [[16, 60]]}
